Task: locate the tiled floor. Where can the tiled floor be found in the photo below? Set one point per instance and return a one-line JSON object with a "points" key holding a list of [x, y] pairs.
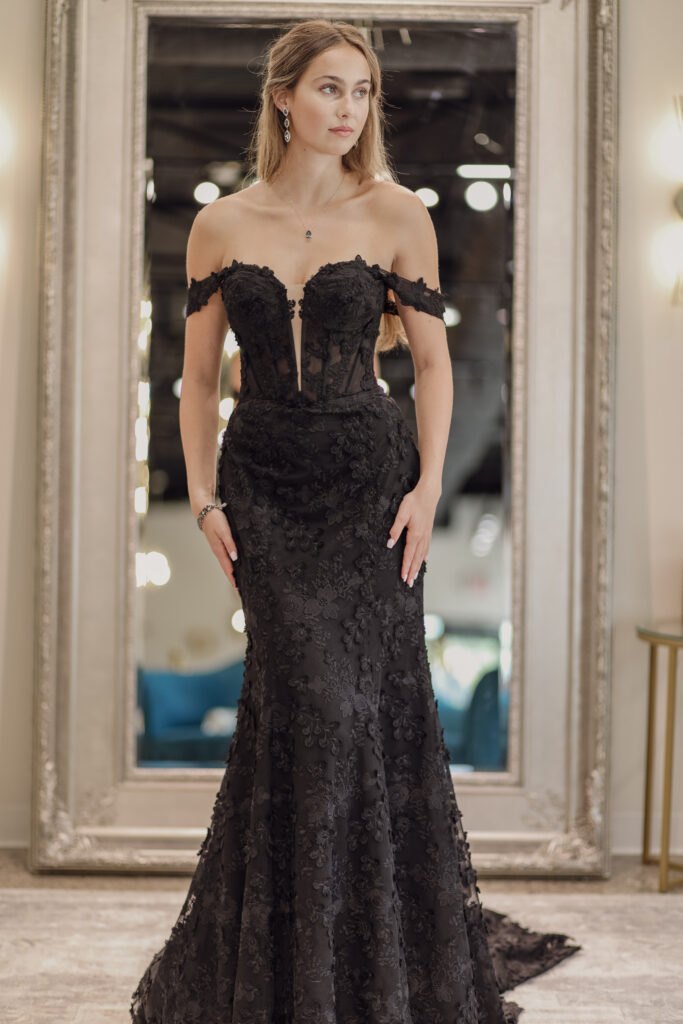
{"points": [[72, 947]]}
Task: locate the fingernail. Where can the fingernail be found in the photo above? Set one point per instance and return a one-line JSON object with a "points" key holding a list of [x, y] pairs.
{"points": [[411, 582], [405, 576], [233, 555], [390, 542]]}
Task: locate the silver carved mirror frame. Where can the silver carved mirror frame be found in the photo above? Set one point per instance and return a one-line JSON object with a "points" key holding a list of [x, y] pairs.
{"points": [[93, 808]]}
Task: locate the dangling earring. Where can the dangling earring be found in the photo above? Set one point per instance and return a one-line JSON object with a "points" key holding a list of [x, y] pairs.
{"points": [[287, 134]]}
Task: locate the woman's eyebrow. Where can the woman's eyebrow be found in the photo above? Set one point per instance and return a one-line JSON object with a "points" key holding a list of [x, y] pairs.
{"points": [[336, 78]]}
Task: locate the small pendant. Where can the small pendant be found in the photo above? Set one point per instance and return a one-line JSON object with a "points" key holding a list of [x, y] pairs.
{"points": [[309, 234]]}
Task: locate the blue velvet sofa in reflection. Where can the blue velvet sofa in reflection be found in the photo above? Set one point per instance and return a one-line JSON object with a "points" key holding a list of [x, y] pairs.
{"points": [[478, 735], [174, 704], [173, 707]]}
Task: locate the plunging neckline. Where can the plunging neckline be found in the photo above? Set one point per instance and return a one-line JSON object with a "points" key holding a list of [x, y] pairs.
{"points": [[298, 364]]}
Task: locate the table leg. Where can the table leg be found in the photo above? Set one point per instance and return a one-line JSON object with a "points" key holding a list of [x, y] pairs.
{"points": [[668, 771], [652, 697]]}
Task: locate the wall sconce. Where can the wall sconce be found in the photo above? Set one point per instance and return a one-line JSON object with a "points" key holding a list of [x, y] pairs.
{"points": [[667, 249], [678, 201], [677, 297]]}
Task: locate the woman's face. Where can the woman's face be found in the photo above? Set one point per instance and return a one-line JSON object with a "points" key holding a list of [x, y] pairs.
{"points": [[334, 91]]}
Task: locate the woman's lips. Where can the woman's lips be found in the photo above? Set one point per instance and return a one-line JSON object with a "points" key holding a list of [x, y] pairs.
{"points": [[342, 131]]}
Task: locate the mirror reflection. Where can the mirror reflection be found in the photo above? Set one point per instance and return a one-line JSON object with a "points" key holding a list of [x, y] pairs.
{"points": [[450, 101]]}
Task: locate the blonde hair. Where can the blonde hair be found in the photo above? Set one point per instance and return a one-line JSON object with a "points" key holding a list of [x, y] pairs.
{"points": [[285, 61]]}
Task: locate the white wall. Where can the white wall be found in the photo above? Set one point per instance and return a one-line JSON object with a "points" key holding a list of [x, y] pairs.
{"points": [[648, 543], [21, 74], [648, 548]]}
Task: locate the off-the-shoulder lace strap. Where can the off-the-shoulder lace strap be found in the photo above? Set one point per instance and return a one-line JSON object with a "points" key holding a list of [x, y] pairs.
{"points": [[414, 293], [199, 292]]}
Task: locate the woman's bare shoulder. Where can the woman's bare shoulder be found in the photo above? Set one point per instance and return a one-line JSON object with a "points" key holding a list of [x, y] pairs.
{"points": [[394, 199], [223, 219], [228, 210], [395, 209]]}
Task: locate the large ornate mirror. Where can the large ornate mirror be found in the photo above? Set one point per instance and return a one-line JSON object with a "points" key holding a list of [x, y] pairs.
{"points": [[501, 117], [450, 93]]}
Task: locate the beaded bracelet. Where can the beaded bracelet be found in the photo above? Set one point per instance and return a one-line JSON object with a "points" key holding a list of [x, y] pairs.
{"points": [[207, 508]]}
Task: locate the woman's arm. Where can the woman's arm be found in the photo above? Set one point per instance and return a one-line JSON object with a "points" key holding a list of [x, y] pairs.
{"points": [[417, 257], [205, 332]]}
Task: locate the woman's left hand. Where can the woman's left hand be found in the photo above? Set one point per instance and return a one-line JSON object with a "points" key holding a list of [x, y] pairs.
{"points": [[416, 512]]}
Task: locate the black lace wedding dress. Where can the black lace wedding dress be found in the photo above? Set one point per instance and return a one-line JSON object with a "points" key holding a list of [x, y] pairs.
{"points": [[335, 884]]}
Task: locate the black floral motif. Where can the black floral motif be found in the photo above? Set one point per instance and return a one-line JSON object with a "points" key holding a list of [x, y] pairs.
{"points": [[335, 883]]}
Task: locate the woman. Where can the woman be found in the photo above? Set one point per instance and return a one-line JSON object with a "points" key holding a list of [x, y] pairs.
{"points": [[335, 884]]}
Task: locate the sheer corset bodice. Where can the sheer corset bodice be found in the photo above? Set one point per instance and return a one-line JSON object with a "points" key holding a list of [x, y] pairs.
{"points": [[315, 347]]}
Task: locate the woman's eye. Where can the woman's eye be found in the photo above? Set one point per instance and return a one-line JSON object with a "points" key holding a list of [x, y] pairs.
{"points": [[362, 91]]}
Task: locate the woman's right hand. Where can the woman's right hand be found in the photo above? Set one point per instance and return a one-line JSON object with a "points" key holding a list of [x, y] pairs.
{"points": [[219, 536]]}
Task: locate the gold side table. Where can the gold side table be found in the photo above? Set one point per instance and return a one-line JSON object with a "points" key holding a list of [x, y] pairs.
{"points": [[670, 635]]}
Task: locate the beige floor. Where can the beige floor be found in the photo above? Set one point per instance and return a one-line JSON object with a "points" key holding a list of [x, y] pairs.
{"points": [[72, 947]]}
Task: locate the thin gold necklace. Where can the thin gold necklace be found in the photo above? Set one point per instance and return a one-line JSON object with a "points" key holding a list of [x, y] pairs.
{"points": [[308, 233]]}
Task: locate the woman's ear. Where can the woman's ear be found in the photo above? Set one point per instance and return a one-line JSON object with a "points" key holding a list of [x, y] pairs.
{"points": [[279, 97]]}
